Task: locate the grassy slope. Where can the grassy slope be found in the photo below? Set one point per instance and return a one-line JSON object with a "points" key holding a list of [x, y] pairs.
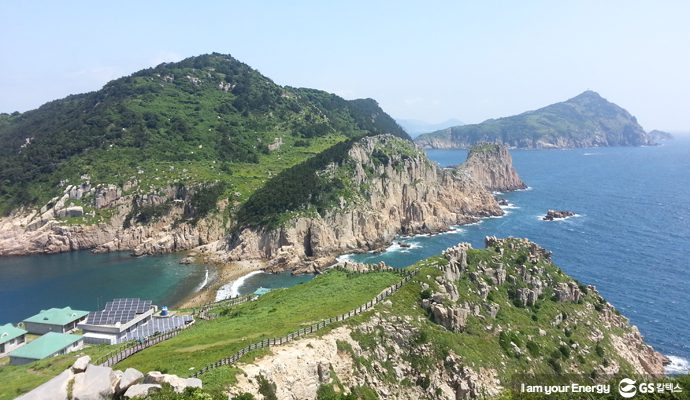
{"points": [[479, 347], [274, 314], [18, 379]]}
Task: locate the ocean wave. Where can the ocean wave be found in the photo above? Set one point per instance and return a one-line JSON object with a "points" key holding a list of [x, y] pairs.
{"points": [[204, 282], [344, 258], [232, 289], [527, 189], [678, 366], [402, 247]]}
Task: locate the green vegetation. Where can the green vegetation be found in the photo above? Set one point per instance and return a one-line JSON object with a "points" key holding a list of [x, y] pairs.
{"points": [[585, 120], [298, 189], [19, 379], [273, 315], [530, 339], [205, 119], [312, 188]]}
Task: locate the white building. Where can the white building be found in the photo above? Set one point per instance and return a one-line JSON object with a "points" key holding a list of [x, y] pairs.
{"points": [[116, 320]]}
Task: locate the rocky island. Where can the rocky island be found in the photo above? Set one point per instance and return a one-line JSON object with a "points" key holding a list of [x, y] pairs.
{"points": [[586, 120], [552, 215]]}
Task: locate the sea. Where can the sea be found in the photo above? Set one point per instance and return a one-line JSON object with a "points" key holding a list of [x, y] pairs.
{"points": [[630, 238], [86, 281]]}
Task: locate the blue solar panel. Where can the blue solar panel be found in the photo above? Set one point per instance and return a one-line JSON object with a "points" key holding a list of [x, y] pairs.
{"points": [[119, 310]]}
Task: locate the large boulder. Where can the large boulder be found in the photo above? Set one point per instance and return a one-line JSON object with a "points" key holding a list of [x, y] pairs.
{"points": [[81, 364], [129, 378], [177, 383], [54, 389], [74, 211], [107, 195], [97, 383], [141, 390]]}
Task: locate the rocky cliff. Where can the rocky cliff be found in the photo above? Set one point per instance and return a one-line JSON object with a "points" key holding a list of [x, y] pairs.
{"points": [[382, 187], [399, 191], [151, 223], [586, 120], [467, 322], [492, 166]]}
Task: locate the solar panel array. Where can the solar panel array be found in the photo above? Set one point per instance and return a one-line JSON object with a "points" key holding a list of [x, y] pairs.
{"points": [[156, 325], [119, 310]]}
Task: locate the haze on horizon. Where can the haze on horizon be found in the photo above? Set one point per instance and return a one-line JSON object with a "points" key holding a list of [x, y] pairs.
{"points": [[465, 60]]}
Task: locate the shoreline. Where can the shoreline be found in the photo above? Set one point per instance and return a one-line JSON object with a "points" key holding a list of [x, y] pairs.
{"points": [[219, 274]]}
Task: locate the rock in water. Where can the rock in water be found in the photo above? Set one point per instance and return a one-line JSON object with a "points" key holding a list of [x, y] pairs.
{"points": [[552, 215], [492, 166]]}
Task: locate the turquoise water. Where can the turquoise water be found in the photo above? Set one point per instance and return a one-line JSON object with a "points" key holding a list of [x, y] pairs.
{"points": [[86, 281], [631, 237]]}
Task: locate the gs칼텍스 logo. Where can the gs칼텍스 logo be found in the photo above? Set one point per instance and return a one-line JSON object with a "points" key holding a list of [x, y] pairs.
{"points": [[627, 388]]}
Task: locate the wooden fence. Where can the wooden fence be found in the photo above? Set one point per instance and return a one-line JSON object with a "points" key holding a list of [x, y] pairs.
{"points": [[203, 311], [136, 346], [308, 330]]}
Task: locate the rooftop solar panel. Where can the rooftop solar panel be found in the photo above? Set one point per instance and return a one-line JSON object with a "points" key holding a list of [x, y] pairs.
{"points": [[119, 310]]}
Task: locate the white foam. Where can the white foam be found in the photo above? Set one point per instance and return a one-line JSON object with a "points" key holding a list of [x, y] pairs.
{"points": [[404, 248], [678, 366], [541, 218], [232, 289], [527, 189], [510, 206], [203, 283], [344, 258]]}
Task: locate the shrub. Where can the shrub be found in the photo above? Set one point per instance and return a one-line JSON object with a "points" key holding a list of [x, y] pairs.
{"points": [[556, 365], [565, 350], [267, 388], [533, 348]]}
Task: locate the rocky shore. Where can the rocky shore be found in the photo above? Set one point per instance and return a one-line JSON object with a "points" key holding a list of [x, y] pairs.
{"points": [[464, 299], [407, 195]]}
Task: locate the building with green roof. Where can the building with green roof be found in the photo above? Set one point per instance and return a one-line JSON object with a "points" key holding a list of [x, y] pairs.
{"points": [[11, 338], [61, 320], [48, 345]]}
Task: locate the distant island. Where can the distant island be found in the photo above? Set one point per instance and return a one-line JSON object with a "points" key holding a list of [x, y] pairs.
{"points": [[659, 136], [416, 127], [587, 120]]}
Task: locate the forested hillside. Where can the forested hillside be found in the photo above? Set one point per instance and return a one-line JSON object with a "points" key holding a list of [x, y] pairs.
{"points": [[205, 119]]}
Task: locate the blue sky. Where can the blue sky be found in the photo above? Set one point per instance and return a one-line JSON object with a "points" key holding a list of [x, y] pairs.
{"points": [[429, 61]]}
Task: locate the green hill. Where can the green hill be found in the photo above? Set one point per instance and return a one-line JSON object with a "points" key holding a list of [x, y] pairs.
{"points": [[587, 120], [204, 119]]}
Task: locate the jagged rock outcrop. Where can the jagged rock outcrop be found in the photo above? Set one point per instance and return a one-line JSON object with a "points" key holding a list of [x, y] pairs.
{"points": [[405, 194], [449, 378], [492, 166], [85, 381], [46, 230]]}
